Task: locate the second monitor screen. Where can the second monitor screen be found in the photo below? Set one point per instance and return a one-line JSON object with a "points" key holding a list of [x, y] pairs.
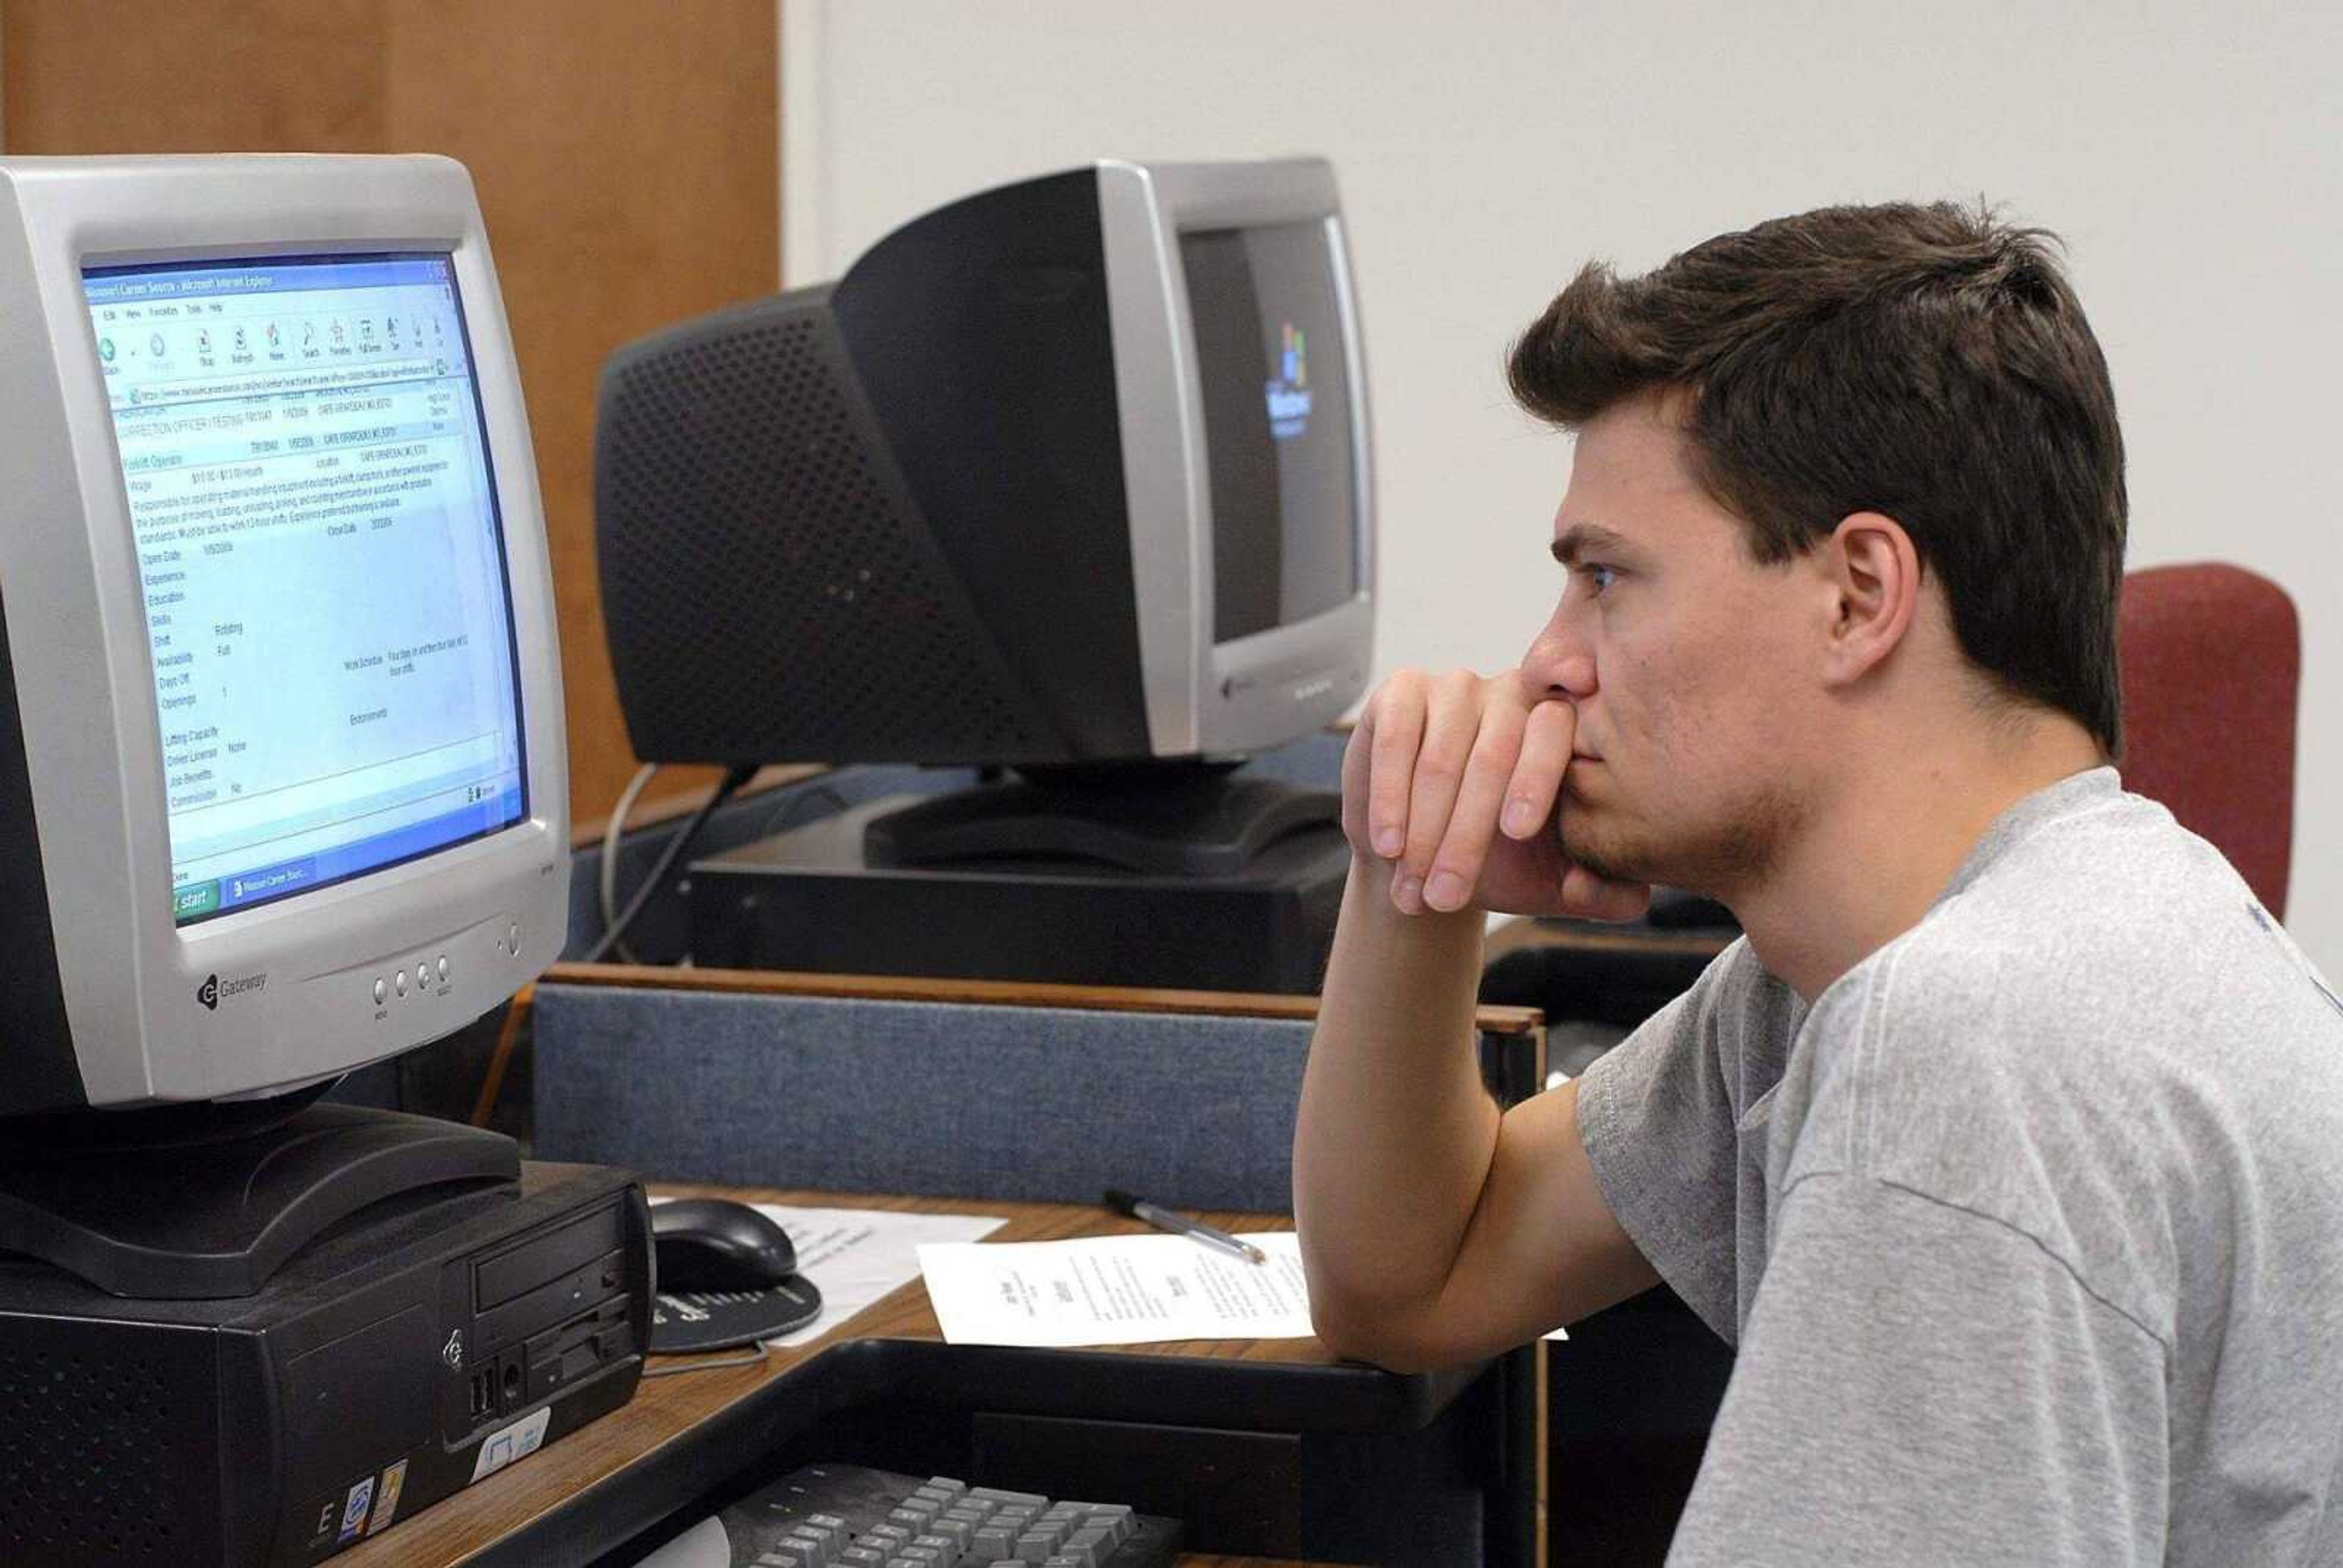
{"points": [[1277, 423], [321, 564]]}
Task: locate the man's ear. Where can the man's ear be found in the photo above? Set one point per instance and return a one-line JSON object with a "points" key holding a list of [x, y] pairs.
{"points": [[1876, 574]]}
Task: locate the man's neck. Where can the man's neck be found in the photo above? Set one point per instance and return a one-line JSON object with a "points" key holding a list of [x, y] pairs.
{"points": [[1877, 853]]}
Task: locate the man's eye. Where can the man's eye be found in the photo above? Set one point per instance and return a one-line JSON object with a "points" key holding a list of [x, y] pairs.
{"points": [[1598, 577]]}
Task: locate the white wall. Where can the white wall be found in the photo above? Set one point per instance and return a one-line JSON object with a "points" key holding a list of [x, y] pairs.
{"points": [[2192, 157]]}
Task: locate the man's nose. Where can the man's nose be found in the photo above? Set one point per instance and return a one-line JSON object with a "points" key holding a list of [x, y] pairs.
{"points": [[1559, 664]]}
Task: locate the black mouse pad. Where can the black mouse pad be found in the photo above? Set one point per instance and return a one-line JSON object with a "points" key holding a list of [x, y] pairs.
{"points": [[685, 1321]]}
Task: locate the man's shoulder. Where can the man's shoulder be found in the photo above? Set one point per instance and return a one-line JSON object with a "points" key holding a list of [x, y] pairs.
{"points": [[2106, 920], [2111, 953], [2082, 1043]]}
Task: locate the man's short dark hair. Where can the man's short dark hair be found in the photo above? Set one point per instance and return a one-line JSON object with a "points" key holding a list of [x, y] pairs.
{"points": [[1931, 363]]}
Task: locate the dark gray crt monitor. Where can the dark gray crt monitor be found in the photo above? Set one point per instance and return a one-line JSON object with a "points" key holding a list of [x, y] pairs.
{"points": [[1071, 471]]}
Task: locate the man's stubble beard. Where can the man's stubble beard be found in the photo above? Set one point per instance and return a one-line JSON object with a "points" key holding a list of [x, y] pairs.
{"points": [[1736, 850]]}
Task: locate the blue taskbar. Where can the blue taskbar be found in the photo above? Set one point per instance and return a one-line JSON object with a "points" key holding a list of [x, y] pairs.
{"points": [[261, 883]]}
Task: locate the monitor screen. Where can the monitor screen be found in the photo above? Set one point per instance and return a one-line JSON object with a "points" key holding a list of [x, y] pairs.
{"points": [[323, 567], [1277, 423]]}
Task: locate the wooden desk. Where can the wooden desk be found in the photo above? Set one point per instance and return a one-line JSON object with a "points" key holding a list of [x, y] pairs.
{"points": [[683, 1436]]}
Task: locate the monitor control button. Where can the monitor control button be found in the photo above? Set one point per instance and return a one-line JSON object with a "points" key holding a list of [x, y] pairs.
{"points": [[422, 977], [513, 937], [402, 982], [381, 993], [443, 970]]}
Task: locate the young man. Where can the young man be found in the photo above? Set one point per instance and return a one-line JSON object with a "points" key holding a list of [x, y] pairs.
{"points": [[2007, 1146]]}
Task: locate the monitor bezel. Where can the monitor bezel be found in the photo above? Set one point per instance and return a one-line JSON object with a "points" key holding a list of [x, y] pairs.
{"points": [[277, 995], [1204, 697]]}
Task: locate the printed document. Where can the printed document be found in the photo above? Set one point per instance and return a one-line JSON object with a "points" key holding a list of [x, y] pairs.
{"points": [[1115, 1291]]}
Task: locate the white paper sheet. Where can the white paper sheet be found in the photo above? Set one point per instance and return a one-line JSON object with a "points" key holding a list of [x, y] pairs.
{"points": [[1115, 1291], [854, 1256]]}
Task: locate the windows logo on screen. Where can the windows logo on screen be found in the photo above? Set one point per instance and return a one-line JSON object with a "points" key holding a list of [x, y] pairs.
{"points": [[1288, 389]]}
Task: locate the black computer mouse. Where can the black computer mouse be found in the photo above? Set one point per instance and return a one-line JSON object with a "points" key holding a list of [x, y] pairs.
{"points": [[716, 1245]]}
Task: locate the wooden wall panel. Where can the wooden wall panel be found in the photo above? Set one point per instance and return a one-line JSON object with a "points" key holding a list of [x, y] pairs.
{"points": [[627, 155]]}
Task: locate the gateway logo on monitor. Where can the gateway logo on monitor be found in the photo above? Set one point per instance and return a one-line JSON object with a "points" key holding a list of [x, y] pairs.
{"points": [[1289, 390], [211, 990]]}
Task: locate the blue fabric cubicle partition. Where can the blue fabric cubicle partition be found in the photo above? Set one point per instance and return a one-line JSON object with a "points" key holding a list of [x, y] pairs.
{"points": [[945, 1098], [970, 1099]]}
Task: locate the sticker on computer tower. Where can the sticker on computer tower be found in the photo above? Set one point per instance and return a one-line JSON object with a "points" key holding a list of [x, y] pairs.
{"points": [[518, 1440], [354, 1510], [386, 1505]]}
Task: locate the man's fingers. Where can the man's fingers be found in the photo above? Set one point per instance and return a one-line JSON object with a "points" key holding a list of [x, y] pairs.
{"points": [[1546, 736], [1438, 766], [1358, 773], [1480, 795], [1451, 723], [1398, 733]]}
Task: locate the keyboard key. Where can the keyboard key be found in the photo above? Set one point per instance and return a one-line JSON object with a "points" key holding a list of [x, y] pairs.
{"points": [[1091, 1543], [992, 1544], [1116, 1517], [814, 1548], [955, 1530]]}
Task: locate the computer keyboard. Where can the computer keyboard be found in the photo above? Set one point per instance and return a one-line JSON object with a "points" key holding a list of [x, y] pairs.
{"points": [[851, 1516]]}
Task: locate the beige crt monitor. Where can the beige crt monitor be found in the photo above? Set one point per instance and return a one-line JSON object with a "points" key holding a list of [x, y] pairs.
{"points": [[283, 786]]}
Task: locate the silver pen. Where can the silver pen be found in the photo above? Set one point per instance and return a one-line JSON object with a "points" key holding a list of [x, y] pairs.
{"points": [[1140, 1209]]}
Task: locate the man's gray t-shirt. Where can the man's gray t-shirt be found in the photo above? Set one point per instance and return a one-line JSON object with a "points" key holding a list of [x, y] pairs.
{"points": [[2030, 1230]]}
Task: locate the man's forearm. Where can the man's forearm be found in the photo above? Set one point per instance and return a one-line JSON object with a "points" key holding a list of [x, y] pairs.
{"points": [[1395, 1132]]}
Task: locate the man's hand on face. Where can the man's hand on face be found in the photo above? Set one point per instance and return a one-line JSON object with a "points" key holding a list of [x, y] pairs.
{"points": [[1453, 779]]}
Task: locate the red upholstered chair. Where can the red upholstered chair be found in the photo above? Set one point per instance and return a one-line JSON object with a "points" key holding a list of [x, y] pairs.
{"points": [[2212, 657]]}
